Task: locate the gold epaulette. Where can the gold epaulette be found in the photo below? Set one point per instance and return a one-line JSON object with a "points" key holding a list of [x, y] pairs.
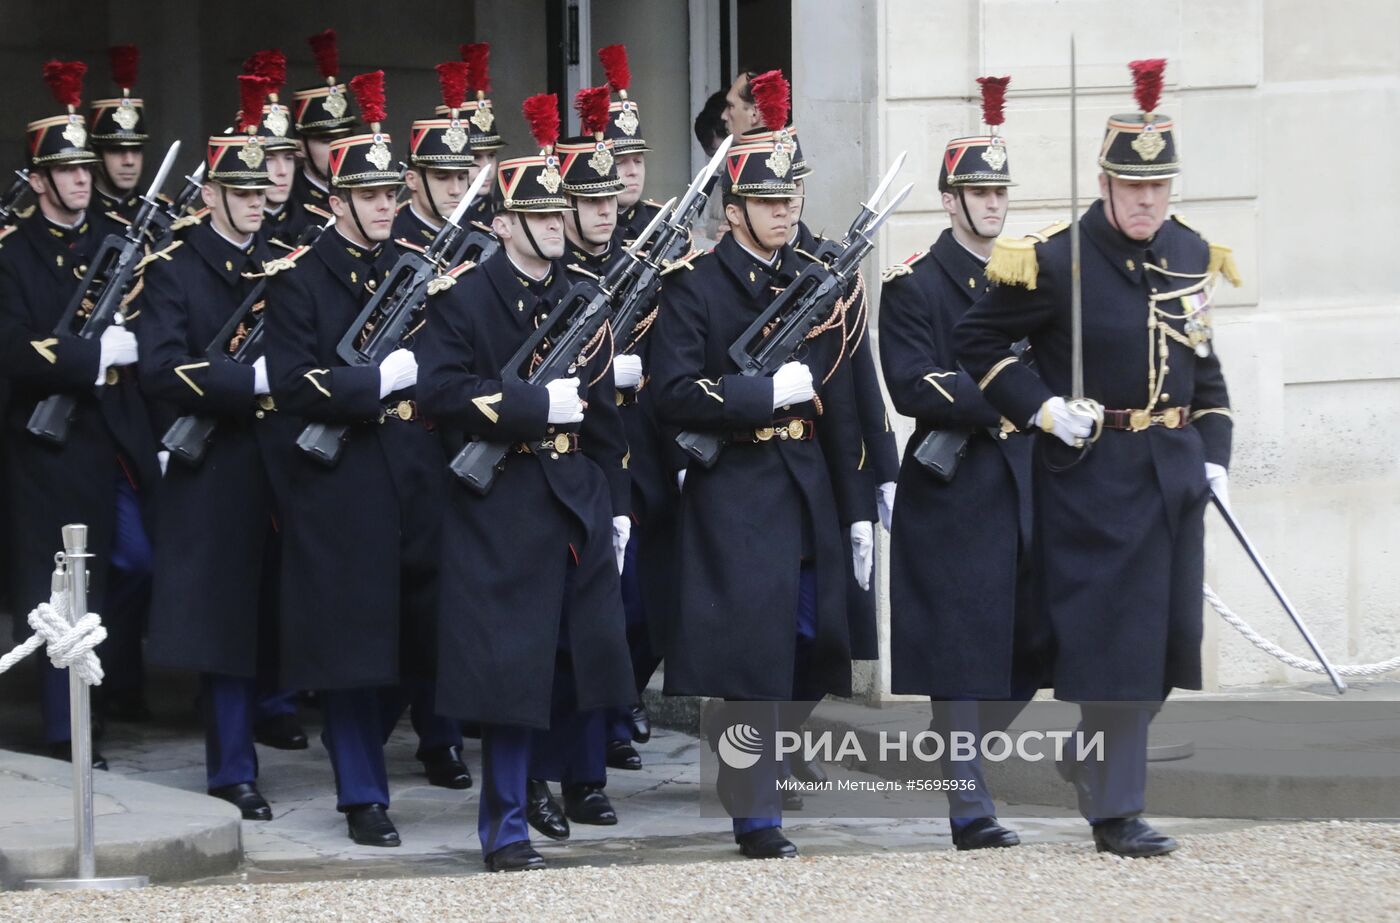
{"points": [[446, 280], [1013, 260], [1222, 258], [118, 218], [319, 212], [904, 268], [405, 242], [158, 255], [684, 262], [574, 267], [7, 232], [274, 266]]}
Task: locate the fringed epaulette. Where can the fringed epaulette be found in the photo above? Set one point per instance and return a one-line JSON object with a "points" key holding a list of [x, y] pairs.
{"points": [[1013, 260], [903, 268], [446, 280], [1222, 260], [7, 232], [281, 263], [158, 255], [684, 262]]}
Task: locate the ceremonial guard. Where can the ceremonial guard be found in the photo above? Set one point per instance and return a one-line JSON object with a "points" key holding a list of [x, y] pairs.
{"points": [[354, 570], [762, 593], [479, 121], [323, 114], [117, 130], [629, 146], [283, 223], [531, 617], [440, 162], [104, 471], [963, 619], [211, 605], [1130, 440]]}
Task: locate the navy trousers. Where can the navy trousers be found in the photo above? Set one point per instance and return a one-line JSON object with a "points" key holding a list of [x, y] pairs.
{"points": [[973, 799], [1115, 786], [230, 703], [353, 734], [644, 660]]}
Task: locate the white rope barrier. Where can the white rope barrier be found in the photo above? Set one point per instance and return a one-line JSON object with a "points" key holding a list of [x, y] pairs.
{"points": [[69, 646]]}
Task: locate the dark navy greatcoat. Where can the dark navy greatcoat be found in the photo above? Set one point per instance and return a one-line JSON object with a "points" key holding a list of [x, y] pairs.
{"points": [[1119, 536], [110, 434], [506, 556], [212, 524], [341, 625], [631, 222], [959, 551], [745, 524]]}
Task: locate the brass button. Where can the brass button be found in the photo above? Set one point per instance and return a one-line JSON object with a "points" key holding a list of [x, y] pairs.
{"points": [[550, 430], [1131, 266], [554, 455], [1164, 398], [228, 264], [1001, 435], [259, 414]]}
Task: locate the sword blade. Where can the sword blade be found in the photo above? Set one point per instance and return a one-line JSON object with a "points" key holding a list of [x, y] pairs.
{"points": [[893, 171], [1282, 597], [645, 237], [1076, 292], [455, 219]]}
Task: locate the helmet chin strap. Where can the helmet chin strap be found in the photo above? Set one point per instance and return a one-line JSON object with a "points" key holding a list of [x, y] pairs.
{"points": [[530, 236], [228, 212], [58, 196], [972, 225], [355, 213], [748, 222], [428, 191]]}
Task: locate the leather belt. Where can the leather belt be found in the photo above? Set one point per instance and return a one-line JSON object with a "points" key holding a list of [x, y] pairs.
{"points": [[791, 429], [559, 444], [626, 397], [1138, 420]]}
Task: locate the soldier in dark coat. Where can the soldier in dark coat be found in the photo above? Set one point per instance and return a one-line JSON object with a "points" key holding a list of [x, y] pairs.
{"points": [[322, 114], [285, 223], [1119, 524], [208, 596], [630, 148], [762, 611], [530, 629], [962, 613], [479, 121], [105, 472], [117, 129], [357, 570]]}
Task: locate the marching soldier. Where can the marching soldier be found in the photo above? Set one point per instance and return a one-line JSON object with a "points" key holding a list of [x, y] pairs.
{"points": [[629, 147], [1120, 477], [963, 617], [762, 611], [440, 162], [323, 114], [350, 586], [208, 595], [531, 615], [117, 129], [107, 467], [283, 222], [483, 140]]}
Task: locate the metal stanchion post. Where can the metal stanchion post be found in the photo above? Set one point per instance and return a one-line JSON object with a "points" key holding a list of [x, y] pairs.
{"points": [[75, 556]]}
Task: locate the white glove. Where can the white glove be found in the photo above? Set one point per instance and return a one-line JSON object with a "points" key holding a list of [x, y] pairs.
{"points": [[116, 347], [622, 530], [680, 479], [164, 458], [627, 370], [564, 405], [260, 385], [1219, 480], [398, 370], [1058, 420], [863, 551], [792, 384], [884, 501]]}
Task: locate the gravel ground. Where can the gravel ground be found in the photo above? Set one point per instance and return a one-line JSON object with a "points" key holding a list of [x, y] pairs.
{"points": [[1286, 872]]}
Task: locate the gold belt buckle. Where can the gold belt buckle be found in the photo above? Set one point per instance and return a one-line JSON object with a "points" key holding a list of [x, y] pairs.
{"points": [[1139, 420], [561, 443], [1171, 418], [113, 376], [405, 410], [764, 434], [795, 428], [265, 402]]}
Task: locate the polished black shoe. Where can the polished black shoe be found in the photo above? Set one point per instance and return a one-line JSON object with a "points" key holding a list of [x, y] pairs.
{"points": [[63, 751], [792, 801], [589, 804], [281, 732], [768, 843], [622, 755], [370, 825], [246, 798], [641, 724], [1132, 838], [809, 772], [517, 857], [543, 812], [985, 833], [445, 768]]}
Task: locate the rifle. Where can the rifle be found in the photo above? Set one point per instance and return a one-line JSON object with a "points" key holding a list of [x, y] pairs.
{"points": [[109, 278], [171, 213], [797, 309], [580, 314], [10, 201], [386, 320]]}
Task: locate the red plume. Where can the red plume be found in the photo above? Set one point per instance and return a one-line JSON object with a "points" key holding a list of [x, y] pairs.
{"points": [[1147, 82], [369, 94], [770, 94], [252, 93], [478, 58], [65, 80], [327, 55], [124, 59], [452, 77], [271, 64], [994, 99], [542, 115], [592, 106], [614, 58]]}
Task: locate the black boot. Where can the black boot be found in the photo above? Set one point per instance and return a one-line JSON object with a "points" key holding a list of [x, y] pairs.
{"points": [[516, 857], [370, 825], [445, 768], [589, 804], [984, 833], [543, 812], [622, 755], [1132, 838], [768, 843], [246, 798]]}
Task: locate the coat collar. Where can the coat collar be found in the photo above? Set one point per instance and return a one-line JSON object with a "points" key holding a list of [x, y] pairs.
{"points": [[596, 263], [1127, 256], [411, 227], [227, 261], [518, 296], [753, 276], [354, 267], [62, 250], [967, 273]]}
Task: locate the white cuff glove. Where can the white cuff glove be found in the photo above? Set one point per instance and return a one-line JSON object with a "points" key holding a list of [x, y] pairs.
{"points": [[622, 530], [164, 458], [680, 479], [260, 385], [116, 347], [792, 384], [1058, 420], [398, 370], [1219, 480], [863, 551], [564, 405], [884, 500], [627, 370]]}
